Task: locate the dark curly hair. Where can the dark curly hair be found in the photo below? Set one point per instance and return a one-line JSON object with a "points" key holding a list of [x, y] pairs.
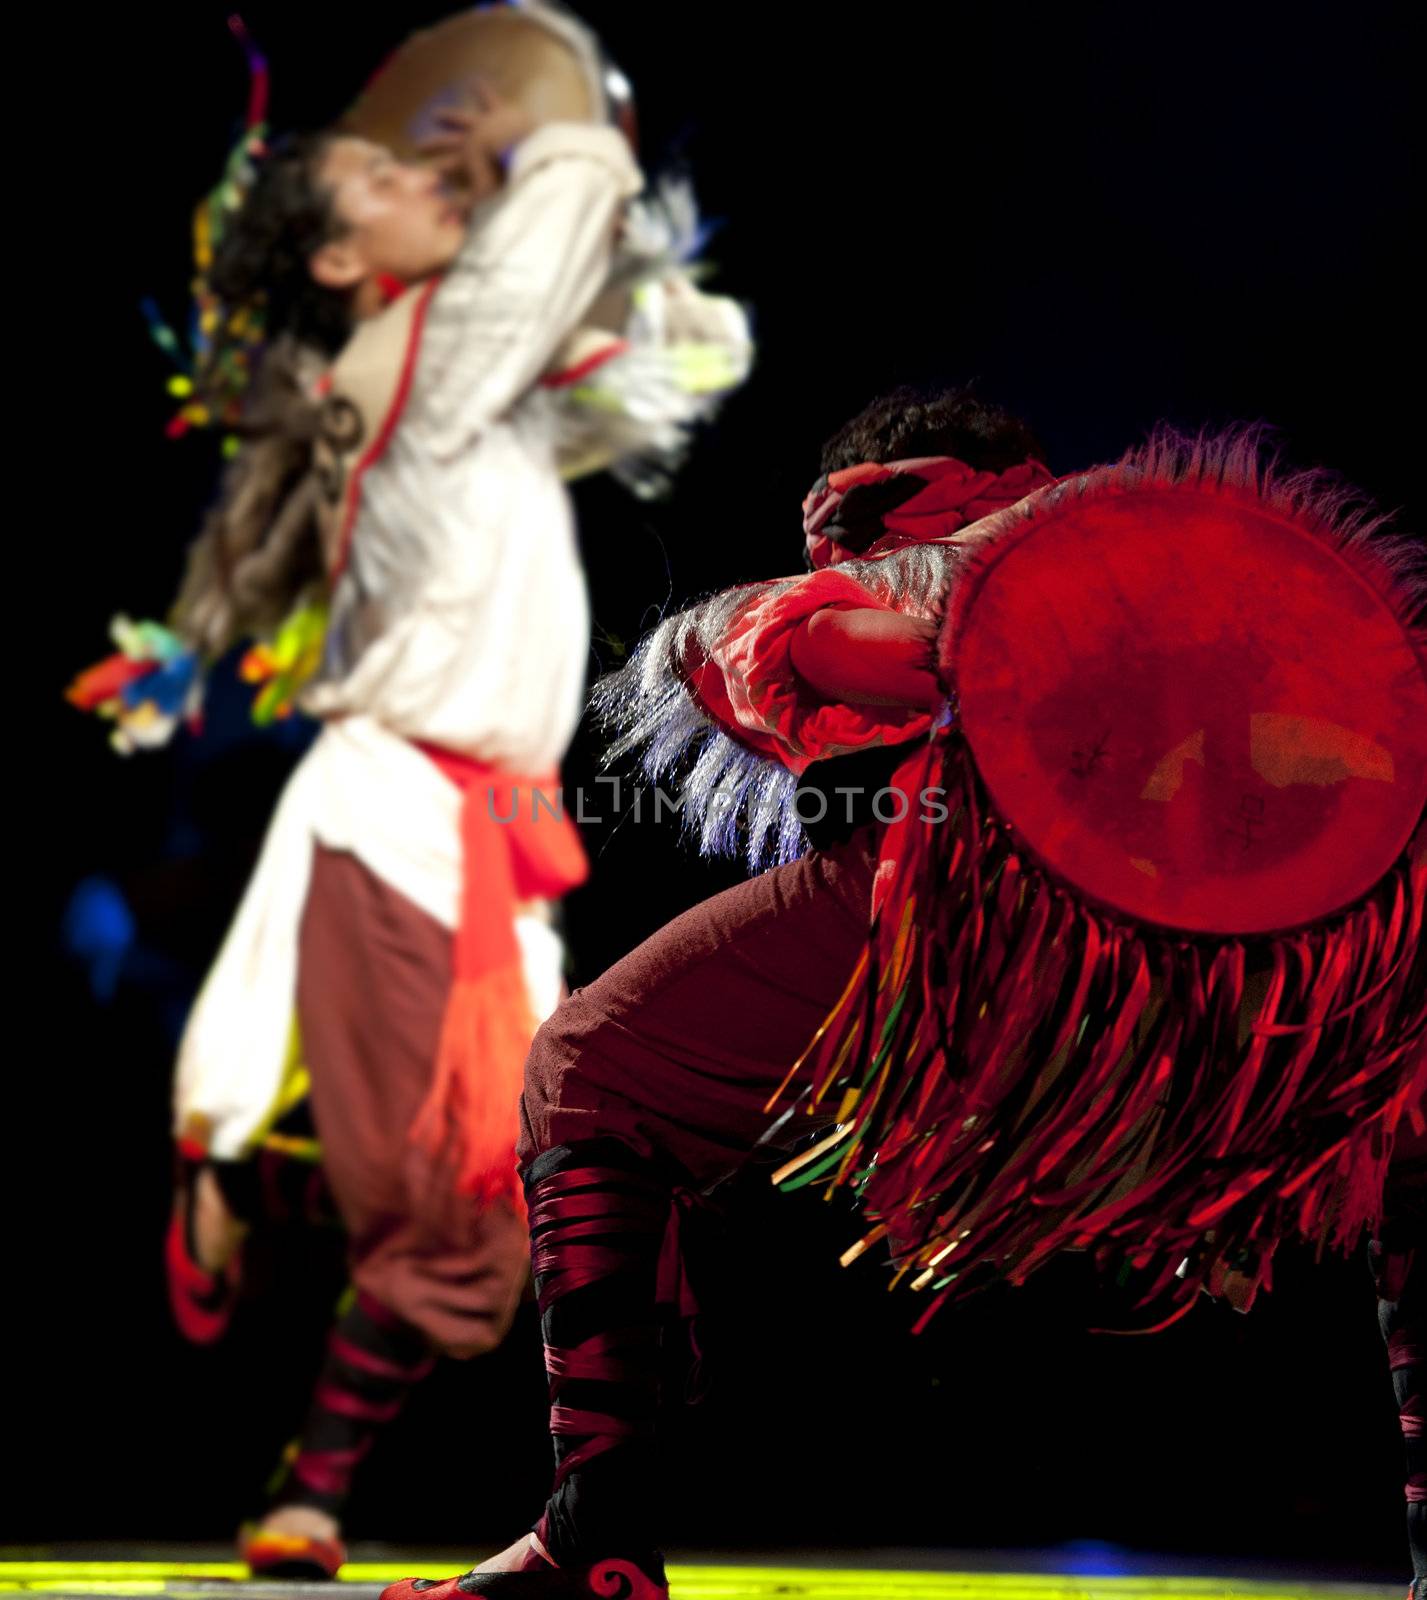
{"points": [[286, 216], [911, 422]]}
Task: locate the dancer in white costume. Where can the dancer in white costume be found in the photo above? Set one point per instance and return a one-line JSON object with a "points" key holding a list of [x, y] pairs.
{"points": [[447, 340]]}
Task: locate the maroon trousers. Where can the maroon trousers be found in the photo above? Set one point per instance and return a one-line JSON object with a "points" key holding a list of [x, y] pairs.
{"points": [[675, 1050], [373, 974]]}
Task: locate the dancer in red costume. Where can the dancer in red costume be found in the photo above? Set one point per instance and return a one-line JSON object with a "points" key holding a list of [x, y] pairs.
{"points": [[1145, 974]]}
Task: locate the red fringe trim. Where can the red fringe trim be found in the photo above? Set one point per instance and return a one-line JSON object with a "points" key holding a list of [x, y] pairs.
{"points": [[1020, 1074]]}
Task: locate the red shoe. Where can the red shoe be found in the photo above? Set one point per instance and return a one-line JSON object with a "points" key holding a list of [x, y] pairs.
{"points": [[290, 1555], [202, 1302], [538, 1578]]}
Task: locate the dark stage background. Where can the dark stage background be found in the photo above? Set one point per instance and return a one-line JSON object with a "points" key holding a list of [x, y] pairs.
{"points": [[1110, 214]]}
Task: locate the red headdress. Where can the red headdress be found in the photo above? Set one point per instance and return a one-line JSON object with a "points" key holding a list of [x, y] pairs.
{"points": [[878, 507]]}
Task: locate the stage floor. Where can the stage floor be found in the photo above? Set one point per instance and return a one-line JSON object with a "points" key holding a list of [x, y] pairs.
{"points": [[882, 1575]]}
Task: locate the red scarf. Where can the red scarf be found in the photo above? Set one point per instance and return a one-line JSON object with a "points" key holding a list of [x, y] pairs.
{"points": [[513, 849], [881, 506]]}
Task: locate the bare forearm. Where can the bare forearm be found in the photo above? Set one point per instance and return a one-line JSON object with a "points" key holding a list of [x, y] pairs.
{"points": [[867, 656]]}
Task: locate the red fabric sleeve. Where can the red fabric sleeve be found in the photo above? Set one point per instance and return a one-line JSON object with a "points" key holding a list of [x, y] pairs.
{"points": [[751, 687]]}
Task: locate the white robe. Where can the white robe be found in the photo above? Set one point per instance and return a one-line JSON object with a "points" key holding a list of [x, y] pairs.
{"points": [[464, 536]]}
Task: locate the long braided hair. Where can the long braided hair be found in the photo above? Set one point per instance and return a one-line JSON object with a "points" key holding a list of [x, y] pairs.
{"points": [[257, 550]]}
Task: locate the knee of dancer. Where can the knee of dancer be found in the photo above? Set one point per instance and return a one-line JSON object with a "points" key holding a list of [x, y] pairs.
{"points": [[554, 1056], [478, 1336], [554, 1049], [467, 1347], [488, 1310], [587, 1085]]}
